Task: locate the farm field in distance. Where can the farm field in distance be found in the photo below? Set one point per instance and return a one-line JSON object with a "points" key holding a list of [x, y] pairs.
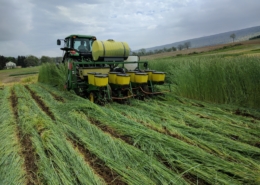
{"points": [[50, 136]]}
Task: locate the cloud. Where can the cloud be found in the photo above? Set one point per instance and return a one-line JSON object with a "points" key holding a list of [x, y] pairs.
{"points": [[36, 24], [16, 19]]}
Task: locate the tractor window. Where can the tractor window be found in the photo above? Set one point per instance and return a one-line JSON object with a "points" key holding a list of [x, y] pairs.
{"points": [[67, 43], [83, 45]]}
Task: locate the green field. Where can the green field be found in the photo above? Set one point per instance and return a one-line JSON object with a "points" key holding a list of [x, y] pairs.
{"points": [[206, 131], [8, 76]]}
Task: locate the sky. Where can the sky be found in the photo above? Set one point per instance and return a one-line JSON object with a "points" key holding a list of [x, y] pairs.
{"points": [[31, 27]]}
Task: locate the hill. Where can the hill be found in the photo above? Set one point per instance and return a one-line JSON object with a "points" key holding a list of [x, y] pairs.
{"points": [[243, 47], [221, 38]]}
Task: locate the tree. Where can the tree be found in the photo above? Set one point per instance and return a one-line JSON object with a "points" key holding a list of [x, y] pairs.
{"points": [[46, 59], [233, 36], [134, 53], [187, 45], [31, 61], [142, 51], [174, 48], [180, 47], [2, 62], [20, 61], [12, 59]]}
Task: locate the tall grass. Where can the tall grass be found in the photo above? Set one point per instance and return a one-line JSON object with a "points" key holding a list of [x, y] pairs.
{"points": [[234, 80], [53, 74]]}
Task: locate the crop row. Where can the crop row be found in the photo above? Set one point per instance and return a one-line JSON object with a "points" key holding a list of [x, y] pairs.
{"points": [[134, 166], [185, 150], [70, 140]]}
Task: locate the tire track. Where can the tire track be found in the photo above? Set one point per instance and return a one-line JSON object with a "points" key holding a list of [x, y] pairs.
{"points": [[28, 152]]}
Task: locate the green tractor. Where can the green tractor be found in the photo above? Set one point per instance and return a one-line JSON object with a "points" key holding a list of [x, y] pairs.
{"points": [[104, 71]]}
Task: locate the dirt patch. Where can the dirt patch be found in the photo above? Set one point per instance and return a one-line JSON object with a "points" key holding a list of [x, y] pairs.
{"points": [[245, 114], [56, 97], [192, 179], [257, 144], [40, 103], [27, 149], [234, 137], [201, 116], [99, 167], [14, 102], [197, 104]]}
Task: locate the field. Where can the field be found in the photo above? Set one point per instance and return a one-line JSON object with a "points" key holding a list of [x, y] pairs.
{"points": [[12, 76], [206, 131]]}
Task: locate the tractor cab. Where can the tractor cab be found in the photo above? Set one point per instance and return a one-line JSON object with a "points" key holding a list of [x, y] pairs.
{"points": [[77, 47]]}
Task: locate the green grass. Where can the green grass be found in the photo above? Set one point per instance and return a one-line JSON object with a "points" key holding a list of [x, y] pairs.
{"points": [[11, 162], [9, 76], [175, 141], [194, 139], [20, 70], [52, 74], [234, 80], [25, 73]]}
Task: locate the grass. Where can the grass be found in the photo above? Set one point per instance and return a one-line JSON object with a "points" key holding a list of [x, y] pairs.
{"points": [[215, 78], [11, 76], [26, 73], [197, 140], [11, 162], [53, 75]]}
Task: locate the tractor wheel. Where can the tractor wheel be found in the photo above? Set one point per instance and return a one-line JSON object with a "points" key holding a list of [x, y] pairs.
{"points": [[91, 97]]}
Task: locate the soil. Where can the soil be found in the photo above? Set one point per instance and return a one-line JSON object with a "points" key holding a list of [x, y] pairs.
{"points": [[111, 131], [241, 113], [56, 97], [27, 148], [100, 168], [40, 103]]}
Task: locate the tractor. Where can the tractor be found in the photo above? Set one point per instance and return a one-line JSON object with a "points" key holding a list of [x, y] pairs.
{"points": [[104, 71]]}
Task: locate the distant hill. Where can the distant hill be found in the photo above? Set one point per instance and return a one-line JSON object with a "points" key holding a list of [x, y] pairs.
{"points": [[221, 38]]}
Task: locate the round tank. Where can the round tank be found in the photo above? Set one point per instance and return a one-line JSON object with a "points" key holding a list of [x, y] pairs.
{"points": [[110, 49]]}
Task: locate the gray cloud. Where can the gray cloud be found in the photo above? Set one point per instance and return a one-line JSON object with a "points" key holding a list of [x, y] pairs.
{"points": [[33, 26]]}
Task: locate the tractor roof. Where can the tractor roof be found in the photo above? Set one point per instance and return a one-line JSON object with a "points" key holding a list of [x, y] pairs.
{"points": [[81, 36]]}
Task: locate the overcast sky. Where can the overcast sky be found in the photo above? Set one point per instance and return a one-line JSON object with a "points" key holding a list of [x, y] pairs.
{"points": [[31, 27]]}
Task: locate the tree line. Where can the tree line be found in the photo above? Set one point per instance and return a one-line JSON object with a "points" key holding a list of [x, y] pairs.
{"points": [[180, 47], [27, 61]]}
